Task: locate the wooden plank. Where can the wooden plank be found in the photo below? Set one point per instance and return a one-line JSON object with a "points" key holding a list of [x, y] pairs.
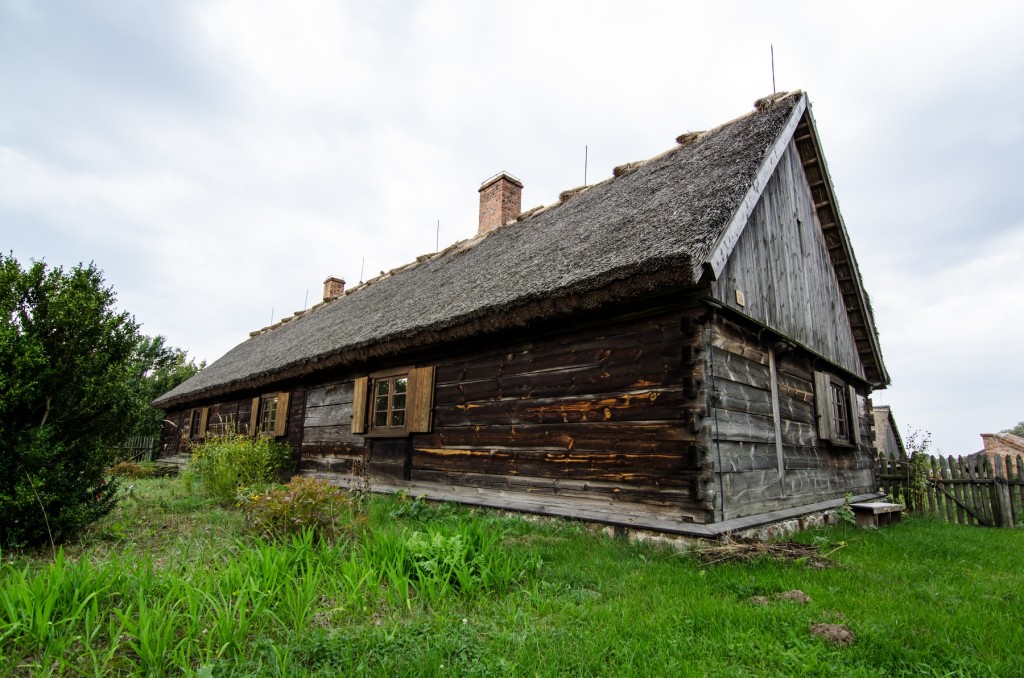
{"points": [[651, 405], [337, 414], [254, 413], [755, 428], [822, 385], [616, 341], [656, 495], [281, 415], [964, 516], [933, 507], [741, 397], [739, 369], [781, 458], [332, 434], [1015, 503], [642, 436], [332, 449], [420, 399], [946, 474], [668, 470], [971, 492], [855, 415], [360, 396], [1002, 511], [203, 418], [335, 393], [589, 378]]}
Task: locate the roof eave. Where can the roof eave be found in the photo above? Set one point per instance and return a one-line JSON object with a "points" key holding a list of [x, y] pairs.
{"points": [[712, 266], [663, 275]]}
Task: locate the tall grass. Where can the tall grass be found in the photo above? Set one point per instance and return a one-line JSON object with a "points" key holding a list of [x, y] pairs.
{"points": [[223, 464], [439, 591], [129, 614]]}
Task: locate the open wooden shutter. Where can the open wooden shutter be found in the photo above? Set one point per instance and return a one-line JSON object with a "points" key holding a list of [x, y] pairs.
{"points": [[359, 396], [203, 416], [281, 418], [421, 399], [253, 422], [823, 397], [854, 416]]}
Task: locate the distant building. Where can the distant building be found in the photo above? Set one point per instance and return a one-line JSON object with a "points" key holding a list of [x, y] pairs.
{"points": [[999, 447], [887, 436]]}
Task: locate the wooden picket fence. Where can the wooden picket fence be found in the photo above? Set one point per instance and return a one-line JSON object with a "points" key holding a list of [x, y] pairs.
{"points": [[970, 491], [139, 448]]}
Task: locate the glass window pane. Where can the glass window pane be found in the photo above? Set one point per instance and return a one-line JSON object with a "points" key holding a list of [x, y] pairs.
{"points": [[398, 418], [381, 404], [383, 387], [380, 418], [400, 384], [398, 402]]}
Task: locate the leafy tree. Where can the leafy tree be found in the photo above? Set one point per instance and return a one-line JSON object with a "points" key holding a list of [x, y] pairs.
{"points": [[67, 367], [1017, 430], [159, 368]]}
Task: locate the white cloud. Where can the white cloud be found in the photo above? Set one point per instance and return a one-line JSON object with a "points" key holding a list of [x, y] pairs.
{"points": [[219, 159]]}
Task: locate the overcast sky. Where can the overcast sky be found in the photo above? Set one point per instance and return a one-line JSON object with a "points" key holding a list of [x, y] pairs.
{"points": [[219, 159]]}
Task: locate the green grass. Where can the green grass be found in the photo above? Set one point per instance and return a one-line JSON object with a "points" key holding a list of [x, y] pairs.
{"points": [[172, 584]]}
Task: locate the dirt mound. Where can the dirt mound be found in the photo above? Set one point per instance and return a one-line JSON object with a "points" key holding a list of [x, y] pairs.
{"points": [[837, 634]]}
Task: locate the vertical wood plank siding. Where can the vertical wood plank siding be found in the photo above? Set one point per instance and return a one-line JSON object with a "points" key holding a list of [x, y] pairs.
{"points": [[745, 447], [781, 264]]}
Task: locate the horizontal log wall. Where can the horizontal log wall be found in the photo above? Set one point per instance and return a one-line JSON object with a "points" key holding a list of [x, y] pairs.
{"points": [[328, 444], [602, 412], [742, 429], [232, 415]]}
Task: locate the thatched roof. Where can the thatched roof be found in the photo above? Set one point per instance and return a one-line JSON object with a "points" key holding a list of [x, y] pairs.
{"points": [[653, 225]]}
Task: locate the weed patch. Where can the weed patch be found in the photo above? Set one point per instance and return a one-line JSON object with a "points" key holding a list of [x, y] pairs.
{"points": [[328, 511], [222, 465]]}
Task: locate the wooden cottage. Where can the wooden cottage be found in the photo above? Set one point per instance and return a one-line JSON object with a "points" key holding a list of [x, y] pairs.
{"points": [[686, 347]]}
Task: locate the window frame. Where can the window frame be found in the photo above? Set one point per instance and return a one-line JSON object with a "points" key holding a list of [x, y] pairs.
{"points": [[835, 398], [389, 411], [259, 413], [419, 402], [196, 422]]}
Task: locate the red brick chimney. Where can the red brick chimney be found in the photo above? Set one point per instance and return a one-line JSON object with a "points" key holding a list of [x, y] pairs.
{"points": [[333, 288], [501, 200]]}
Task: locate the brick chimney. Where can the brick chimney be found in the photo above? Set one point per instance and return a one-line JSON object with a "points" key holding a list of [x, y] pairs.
{"points": [[501, 200], [333, 288]]}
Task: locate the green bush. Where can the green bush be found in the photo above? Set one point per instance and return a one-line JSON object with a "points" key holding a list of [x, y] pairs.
{"points": [[67, 365], [305, 504], [222, 465]]}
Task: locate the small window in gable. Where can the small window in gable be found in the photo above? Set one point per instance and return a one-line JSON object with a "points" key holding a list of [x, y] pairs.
{"points": [[269, 416], [393, 402], [837, 410]]}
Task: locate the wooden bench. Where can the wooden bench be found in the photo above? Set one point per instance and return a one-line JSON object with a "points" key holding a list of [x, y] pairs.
{"points": [[876, 513]]}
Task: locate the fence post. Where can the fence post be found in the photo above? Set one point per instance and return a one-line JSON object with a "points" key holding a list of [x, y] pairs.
{"points": [[1003, 516]]}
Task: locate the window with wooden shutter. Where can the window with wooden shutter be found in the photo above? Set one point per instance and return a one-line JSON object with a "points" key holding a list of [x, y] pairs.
{"points": [[837, 410], [269, 415], [197, 423], [393, 402]]}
